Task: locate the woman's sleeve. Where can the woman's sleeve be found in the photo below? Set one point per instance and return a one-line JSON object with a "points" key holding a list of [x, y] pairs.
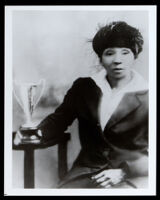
{"points": [[56, 123], [136, 168]]}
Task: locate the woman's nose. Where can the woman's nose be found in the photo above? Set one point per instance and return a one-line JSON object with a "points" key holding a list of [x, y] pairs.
{"points": [[117, 63], [117, 59]]}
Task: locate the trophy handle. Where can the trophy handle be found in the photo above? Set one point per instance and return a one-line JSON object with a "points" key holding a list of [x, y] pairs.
{"points": [[41, 82], [15, 82]]}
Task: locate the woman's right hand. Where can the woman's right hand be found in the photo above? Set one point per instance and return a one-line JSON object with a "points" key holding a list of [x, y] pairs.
{"points": [[18, 138]]}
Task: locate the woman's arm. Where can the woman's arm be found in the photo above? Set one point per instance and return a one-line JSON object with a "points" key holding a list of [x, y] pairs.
{"points": [[134, 162], [138, 167], [56, 123], [110, 177]]}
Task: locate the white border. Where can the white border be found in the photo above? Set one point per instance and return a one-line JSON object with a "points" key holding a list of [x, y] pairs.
{"points": [[152, 99], [82, 8], [8, 190], [8, 104]]}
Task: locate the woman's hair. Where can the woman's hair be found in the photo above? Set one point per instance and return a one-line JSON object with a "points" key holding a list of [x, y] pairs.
{"points": [[117, 34]]}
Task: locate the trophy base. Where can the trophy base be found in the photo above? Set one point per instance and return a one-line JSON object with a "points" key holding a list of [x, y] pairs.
{"points": [[29, 134]]}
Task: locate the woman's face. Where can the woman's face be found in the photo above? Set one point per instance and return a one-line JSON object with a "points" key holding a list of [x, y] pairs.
{"points": [[117, 61]]}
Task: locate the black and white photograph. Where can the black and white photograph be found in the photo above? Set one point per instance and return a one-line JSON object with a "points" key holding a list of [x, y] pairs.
{"points": [[80, 100]]}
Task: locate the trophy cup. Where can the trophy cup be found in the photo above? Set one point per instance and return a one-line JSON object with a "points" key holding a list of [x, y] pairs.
{"points": [[28, 96]]}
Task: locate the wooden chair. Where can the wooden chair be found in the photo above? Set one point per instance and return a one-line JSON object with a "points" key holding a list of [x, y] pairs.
{"points": [[29, 157]]}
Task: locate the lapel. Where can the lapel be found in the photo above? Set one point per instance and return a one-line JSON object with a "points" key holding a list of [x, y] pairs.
{"points": [[128, 104], [92, 99]]}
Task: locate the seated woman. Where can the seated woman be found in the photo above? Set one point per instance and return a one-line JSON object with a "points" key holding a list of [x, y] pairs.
{"points": [[112, 111]]}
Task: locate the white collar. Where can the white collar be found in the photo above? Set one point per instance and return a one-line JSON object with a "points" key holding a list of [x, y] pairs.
{"points": [[138, 83]]}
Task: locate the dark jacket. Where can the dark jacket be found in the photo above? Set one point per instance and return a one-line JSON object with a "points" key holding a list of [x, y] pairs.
{"points": [[124, 137]]}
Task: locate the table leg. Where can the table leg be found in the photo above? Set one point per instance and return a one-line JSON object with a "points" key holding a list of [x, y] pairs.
{"points": [[29, 168]]}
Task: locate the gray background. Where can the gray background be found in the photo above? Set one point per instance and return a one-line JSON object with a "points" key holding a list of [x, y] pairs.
{"points": [[53, 45]]}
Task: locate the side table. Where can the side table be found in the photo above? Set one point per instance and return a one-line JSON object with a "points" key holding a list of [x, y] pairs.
{"points": [[29, 181]]}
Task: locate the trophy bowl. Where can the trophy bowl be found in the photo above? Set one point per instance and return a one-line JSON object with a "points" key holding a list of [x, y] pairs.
{"points": [[28, 96]]}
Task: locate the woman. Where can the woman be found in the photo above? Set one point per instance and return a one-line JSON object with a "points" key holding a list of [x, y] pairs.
{"points": [[112, 111]]}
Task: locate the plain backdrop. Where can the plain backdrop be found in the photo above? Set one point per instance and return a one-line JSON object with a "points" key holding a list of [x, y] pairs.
{"points": [[53, 45]]}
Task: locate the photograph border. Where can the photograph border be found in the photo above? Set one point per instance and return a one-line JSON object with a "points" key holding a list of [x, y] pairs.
{"points": [[8, 189]]}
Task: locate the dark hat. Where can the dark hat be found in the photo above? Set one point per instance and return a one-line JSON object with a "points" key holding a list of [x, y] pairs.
{"points": [[118, 34]]}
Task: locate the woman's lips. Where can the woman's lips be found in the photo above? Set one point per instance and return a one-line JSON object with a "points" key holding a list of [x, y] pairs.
{"points": [[118, 70]]}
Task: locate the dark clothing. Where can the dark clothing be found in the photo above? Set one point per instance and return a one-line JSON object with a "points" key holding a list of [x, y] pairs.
{"points": [[125, 134], [83, 181]]}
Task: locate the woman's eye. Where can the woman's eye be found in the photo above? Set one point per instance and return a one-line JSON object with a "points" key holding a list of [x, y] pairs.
{"points": [[125, 52], [109, 53]]}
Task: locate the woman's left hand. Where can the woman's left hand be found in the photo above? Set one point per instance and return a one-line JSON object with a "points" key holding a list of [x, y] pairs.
{"points": [[109, 177]]}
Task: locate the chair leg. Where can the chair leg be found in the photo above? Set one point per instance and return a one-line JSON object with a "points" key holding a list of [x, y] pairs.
{"points": [[62, 159]]}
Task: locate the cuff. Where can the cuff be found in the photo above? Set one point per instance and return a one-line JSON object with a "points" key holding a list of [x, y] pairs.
{"points": [[125, 167]]}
